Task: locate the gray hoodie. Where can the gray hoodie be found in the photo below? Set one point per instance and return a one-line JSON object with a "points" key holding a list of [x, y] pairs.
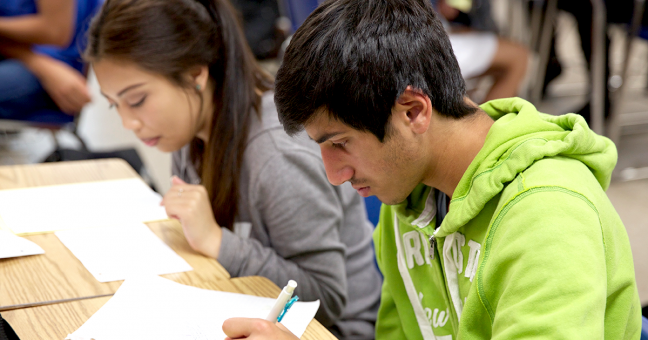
{"points": [[293, 224]]}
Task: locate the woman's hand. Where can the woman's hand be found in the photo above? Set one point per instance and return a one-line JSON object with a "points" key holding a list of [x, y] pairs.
{"points": [[191, 206], [255, 329]]}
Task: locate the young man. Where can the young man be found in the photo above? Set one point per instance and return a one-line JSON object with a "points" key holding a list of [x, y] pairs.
{"points": [[528, 245]]}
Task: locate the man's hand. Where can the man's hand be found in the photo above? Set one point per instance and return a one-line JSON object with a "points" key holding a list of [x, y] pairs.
{"points": [[255, 329], [190, 205], [64, 84]]}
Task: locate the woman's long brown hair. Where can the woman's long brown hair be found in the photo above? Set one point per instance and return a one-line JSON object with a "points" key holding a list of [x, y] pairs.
{"points": [[170, 37]]}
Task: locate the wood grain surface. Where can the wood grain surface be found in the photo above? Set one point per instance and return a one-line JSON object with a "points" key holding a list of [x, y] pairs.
{"points": [[58, 274], [32, 287], [56, 321], [35, 175]]}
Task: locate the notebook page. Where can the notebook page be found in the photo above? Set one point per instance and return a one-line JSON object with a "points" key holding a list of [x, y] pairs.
{"points": [[80, 205], [14, 246], [156, 308], [116, 253]]}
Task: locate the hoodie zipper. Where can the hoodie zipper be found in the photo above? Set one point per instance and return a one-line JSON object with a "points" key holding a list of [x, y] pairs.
{"points": [[442, 208], [433, 243]]}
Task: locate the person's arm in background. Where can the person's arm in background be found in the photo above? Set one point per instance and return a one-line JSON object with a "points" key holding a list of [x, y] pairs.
{"points": [[302, 215], [53, 24], [64, 84]]}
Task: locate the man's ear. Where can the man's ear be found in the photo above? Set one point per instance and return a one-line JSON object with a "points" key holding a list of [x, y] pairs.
{"points": [[414, 109], [199, 76]]}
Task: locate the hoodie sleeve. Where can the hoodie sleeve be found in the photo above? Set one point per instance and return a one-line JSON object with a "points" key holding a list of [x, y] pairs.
{"points": [[543, 273], [388, 324], [302, 215]]}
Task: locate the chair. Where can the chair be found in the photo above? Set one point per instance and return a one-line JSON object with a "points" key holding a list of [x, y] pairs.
{"points": [[51, 120], [541, 43], [615, 121], [644, 328]]}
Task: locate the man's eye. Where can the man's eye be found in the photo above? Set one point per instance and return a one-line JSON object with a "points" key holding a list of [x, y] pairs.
{"points": [[339, 145]]}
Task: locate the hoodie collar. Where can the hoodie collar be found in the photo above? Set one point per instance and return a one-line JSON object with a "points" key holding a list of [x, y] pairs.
{"points": [[519, 137]]}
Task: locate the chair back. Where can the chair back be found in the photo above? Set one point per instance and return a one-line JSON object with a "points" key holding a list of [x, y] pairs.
{"points": [[52, 120]]}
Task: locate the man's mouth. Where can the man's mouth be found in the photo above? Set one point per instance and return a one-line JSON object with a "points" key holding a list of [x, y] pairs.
{"points": [[363, 191]]}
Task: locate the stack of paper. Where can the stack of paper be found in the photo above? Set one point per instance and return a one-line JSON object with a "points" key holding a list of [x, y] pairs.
{"points": [[14, 246], [82, 205], [116, 253], [156, 308]]}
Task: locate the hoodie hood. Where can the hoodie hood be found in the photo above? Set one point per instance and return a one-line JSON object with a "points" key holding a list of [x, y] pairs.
{"points": [[519, 137]]}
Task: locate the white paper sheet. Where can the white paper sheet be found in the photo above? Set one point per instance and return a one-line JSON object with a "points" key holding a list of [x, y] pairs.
{"points": [[116, 253], [14, 246], [81, 205], [156, 308]]}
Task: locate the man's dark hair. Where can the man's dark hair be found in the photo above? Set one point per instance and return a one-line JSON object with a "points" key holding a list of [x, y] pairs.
{"points": [[354, 58]]}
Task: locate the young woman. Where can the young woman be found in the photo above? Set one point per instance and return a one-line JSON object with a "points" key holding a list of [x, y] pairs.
{"points": [[183, 80]]}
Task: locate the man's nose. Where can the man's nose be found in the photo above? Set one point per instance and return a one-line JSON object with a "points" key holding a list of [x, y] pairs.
{"points": [[337, 171]]}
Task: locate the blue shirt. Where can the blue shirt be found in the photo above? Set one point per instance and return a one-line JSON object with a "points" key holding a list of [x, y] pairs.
{"points": [[71, 54]]}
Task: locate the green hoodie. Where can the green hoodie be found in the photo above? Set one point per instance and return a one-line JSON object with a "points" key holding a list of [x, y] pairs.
{"points": [[531, 246]]}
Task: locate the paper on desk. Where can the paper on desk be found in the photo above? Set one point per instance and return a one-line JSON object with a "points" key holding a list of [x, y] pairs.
{"points": [[14, 246], [116, 253], [80, 205], [156, 308]]}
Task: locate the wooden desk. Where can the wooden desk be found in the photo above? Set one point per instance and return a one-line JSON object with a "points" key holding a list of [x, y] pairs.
{"points": [[35, 175], [58, 320], [58, 274]]}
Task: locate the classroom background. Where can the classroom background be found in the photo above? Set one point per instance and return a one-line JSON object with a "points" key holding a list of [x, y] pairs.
{"points": [[100, 127]]}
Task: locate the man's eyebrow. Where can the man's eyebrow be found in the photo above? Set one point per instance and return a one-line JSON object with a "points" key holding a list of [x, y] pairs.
{"points": [[128, 89], [326, 137]]}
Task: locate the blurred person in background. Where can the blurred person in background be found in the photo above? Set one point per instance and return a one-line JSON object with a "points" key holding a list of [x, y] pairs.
{"points": [[617, 12], [40, 63], [478, 48], [260, 25]]}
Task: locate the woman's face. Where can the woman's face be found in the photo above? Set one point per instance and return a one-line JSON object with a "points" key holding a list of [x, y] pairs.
{"points": [[160, 113]]}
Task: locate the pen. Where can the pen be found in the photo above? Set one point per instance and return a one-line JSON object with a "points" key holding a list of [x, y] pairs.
{"points": [[282, 299]]}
